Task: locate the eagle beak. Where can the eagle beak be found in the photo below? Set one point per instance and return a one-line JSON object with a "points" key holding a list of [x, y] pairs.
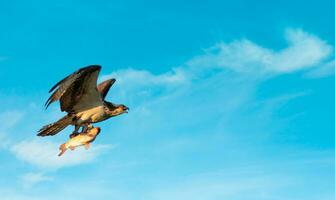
{"points": [[126, 109]]}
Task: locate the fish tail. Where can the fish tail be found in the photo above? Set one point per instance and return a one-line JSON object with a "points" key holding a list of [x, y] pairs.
{"points": [[62, 149]]}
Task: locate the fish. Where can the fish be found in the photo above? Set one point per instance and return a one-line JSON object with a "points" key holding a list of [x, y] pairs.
{"points": [[82, 139]]}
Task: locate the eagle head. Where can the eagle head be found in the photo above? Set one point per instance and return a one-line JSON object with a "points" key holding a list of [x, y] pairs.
{"points": [[114, 110]]}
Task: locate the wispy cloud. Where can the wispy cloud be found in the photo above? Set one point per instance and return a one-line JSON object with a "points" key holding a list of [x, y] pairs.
{"points": [[304, 51], [143, 84], [326, 69], [43, 154], [146, 78], [40, 152]]}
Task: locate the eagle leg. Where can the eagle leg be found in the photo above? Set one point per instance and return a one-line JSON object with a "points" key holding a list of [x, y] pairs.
{"points": [[86, 127], [75, 132]]}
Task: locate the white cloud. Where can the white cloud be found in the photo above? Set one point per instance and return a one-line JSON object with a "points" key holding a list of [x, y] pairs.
{"points": [[43, 154], [138, 78], [140, 85], [304, 51], [324, 70]]}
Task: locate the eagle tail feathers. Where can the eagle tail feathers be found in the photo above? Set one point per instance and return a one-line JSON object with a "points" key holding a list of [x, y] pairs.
{"points": [[54, 128]]}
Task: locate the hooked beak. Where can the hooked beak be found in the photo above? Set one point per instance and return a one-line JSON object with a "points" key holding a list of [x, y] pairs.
{"points": [[125, 109]]}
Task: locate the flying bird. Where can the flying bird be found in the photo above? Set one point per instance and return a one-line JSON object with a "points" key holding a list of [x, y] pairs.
{"points": [[83, 100]]}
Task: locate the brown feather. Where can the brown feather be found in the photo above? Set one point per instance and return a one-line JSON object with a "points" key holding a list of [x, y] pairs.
{"points": [[104, 87], [54, 128], [77, 88]]}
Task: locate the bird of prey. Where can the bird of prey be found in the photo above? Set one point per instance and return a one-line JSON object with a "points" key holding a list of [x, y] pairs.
{"points": [[83, 100]]}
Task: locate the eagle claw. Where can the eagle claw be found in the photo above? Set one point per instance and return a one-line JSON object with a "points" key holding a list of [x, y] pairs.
{"points": [[74, 134]]}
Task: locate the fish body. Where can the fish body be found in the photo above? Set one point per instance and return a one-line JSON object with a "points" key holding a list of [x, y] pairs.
{"points": [[82, 139]]}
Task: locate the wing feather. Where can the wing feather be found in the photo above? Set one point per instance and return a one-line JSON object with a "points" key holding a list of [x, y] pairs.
{"points": [[104, 87], [78, 90]]}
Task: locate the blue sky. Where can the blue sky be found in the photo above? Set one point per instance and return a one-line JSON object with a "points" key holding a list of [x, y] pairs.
{"points": [[229, 99]]}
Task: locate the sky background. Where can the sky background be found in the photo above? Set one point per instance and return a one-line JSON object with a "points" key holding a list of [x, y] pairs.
{"points": [[228, 99]]}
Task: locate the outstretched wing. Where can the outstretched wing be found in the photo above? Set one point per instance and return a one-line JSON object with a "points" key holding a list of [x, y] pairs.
{"points": [[77, 91], [104, 87]]}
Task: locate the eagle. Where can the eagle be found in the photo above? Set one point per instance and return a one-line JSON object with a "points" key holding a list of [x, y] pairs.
{"points": [[83, 100]]}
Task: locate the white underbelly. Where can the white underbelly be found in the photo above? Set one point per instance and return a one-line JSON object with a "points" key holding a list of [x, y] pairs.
{"points": [[92, 115]]}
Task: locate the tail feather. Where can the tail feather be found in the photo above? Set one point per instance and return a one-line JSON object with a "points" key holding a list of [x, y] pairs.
{"points": [[54, 128]]}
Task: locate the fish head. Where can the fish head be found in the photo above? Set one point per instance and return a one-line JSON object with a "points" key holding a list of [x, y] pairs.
{"points": [[95, 131]]}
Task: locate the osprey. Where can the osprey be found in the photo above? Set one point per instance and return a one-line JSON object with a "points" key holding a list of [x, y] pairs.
{"points": [[83, 100]]}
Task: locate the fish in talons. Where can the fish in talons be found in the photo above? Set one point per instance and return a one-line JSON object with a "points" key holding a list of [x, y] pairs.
{"points": [[81, 139]]}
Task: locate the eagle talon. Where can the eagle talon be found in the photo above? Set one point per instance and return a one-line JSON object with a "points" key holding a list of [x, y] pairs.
{"points": [[86, 128], [74, 134], [89, 127]]}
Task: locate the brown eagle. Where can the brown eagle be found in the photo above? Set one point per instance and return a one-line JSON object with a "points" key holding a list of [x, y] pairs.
{"points": [[83, 100]]}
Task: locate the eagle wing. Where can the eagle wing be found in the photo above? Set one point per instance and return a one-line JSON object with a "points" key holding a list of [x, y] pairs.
{"points": [[104, 87], [78, 91]]}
